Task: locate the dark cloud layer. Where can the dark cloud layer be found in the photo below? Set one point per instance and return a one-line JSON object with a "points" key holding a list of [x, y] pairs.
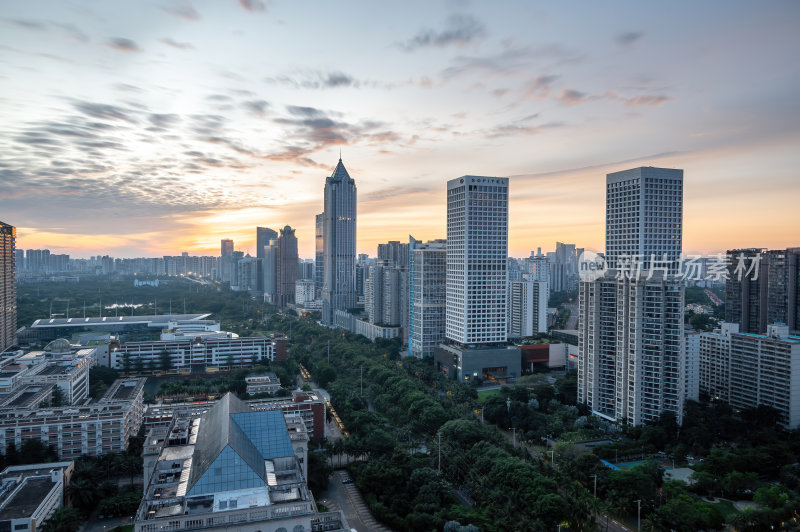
{"points": [[319, 80], [184, 11], [175, 44], [459, 30], [123, 45], [512, 61], [628, 38]]}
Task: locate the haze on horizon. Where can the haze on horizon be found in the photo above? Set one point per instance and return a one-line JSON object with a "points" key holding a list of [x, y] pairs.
{"points": [[145, 129]]}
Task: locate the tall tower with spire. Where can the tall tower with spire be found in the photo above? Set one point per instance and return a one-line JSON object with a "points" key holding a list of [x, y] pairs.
{"points": [[339, 243]]}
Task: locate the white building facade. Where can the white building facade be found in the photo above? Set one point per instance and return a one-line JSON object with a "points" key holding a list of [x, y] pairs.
{"points": [[477, 259], [527, 308], [632, 353]]}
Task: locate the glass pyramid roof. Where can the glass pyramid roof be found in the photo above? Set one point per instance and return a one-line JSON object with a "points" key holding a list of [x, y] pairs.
{"points": [[233, 443]]}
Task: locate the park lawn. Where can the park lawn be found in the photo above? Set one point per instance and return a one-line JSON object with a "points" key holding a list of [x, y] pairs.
{"points": [[486, 394]]}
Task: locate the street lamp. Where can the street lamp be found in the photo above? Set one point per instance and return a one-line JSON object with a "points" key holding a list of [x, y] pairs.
{"points": [[595, 486], [639, 515], [552, 458]]}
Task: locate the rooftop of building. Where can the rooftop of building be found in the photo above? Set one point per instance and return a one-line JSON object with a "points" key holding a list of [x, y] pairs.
{"points": [[340, 172], [229, 458], [792, 339], [159, 320], [24, 488], [27, 499], [123, 390], [266, 376], [26, 397]]}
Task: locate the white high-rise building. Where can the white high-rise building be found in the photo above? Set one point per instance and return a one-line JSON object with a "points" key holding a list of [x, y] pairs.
{"points": [[427, 296], [644, 216], [527, 309], [632, 361], [477, 259], [339, 244]]}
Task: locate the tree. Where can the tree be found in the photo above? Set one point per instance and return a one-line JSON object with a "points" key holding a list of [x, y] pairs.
{"points": [[319, 471], [699, 322], [324, 373], [84, 493], [165, 360], [58, 398], [773, 497], [33, 451], [64, 519]]}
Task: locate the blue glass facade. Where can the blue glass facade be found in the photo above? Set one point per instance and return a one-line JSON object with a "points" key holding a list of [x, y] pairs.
{"points": [[228, 472], [267, 432]]}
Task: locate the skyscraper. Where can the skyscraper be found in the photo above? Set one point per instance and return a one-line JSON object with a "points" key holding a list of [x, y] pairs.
{"points": [[746, 294], [287, 266], [644, 216], [263, 236], [339, 243], [319, 252], [8, 286], [427, 280], [477, 259], [632, 351], [270, 270], [226, 247], [763, 288], [226, 273], [394, 253], [477, 274]]}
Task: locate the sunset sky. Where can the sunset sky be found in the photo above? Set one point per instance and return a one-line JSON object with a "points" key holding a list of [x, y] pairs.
{"points": [[156, 127]]}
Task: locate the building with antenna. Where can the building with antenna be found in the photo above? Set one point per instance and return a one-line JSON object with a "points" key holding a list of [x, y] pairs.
{"points": [[339, 244]]}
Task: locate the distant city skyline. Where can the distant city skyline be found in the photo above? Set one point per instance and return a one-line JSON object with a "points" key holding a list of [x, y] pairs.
{"points": [[147, 130]]}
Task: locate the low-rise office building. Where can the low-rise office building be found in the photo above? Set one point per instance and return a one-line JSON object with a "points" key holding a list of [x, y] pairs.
{"points": [[262, 383], [94, 429], [58, 375], [30, 494], [189, 350], [497, 363]]}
